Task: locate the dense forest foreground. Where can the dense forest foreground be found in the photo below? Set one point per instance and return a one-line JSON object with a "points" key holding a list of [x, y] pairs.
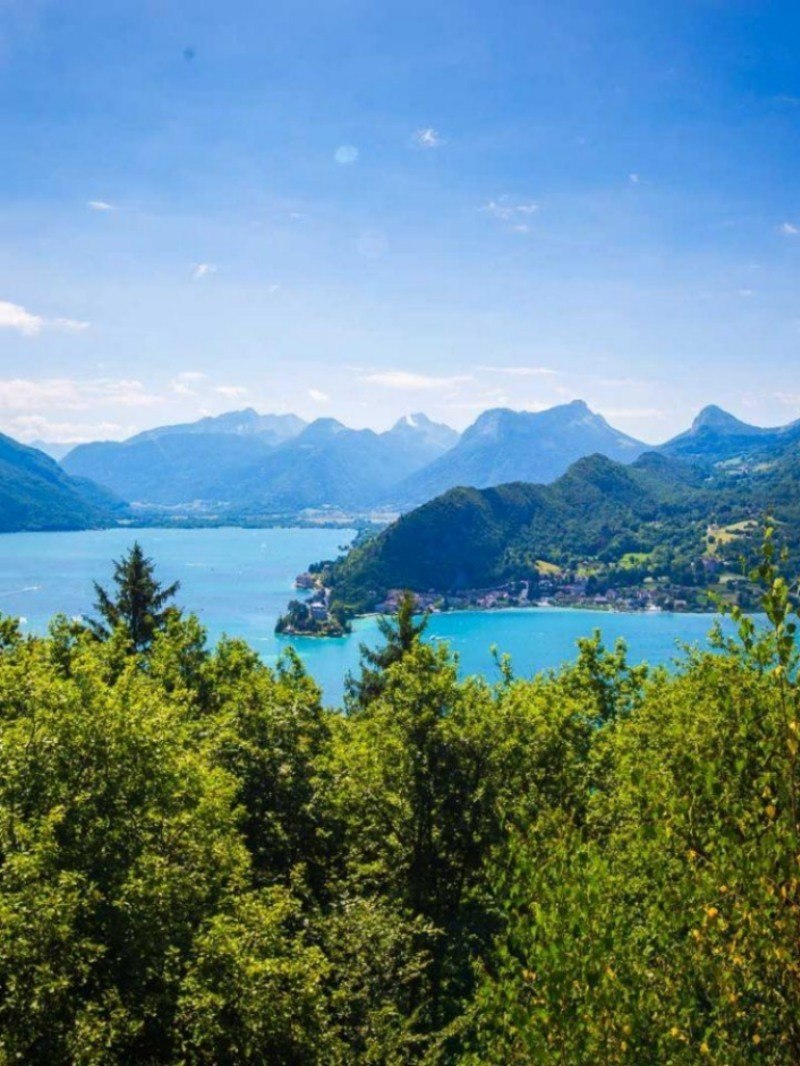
{"points": [[199, 863]]}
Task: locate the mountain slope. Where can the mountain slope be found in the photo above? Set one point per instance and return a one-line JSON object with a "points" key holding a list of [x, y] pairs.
{"points": [[174, 469], [331, 465], [503, 446], [472, 538], [183, 464], [716, 436], [36, 494], [272, 429], [54, 449], [239, 463], [658, 519]]}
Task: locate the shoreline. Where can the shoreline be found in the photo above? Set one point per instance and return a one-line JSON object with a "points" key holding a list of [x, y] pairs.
{"points": [[549, 608], [188, 527]]}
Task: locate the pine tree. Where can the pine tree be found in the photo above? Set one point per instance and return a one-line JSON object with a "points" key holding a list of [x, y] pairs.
{"points": [[401, 632], [139, 603]]}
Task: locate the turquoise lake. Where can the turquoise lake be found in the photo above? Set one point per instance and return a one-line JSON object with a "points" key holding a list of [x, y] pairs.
{"points": [[239, 580]]}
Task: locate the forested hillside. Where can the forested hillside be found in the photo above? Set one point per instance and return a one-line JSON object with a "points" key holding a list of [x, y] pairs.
{"points": [[36, 494], [658, 518], [199, 863]]}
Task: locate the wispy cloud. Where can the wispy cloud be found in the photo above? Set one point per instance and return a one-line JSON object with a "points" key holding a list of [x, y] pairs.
{"points": [[183, 384], [100, 205], [39, 427], [14, 316], [202, 270], [70, 325], [506, 208], [789, 229], [318, 396], [231, 392], [71, 394], [521, 371], [406, 381], [634, 179], [428, 138]]}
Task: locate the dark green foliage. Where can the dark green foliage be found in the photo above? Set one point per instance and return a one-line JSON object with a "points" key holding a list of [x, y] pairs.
{"points": [[138, 607], [300, 618]]}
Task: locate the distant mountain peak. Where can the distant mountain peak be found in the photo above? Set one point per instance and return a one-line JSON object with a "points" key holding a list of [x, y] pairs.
{"points": [[417, 420], [273, 429], [498, 419], [324, 426], [715, 418], [418, 430], [503, 446]]}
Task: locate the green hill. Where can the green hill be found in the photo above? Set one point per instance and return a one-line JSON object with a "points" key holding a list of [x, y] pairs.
{"points": [[657, 518], [36, 494]]}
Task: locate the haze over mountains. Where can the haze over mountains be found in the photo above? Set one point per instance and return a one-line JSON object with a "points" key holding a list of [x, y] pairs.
{"points": [[255, 463], [247, 465], [260, 463], [503, 446]]}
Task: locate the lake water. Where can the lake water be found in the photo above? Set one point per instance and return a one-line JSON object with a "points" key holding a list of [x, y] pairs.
{"points": [[239, 580]]}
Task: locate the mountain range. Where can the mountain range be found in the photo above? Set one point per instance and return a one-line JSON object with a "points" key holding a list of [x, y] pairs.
{"points": [[502, 446], [716, 436], [250, 465]]}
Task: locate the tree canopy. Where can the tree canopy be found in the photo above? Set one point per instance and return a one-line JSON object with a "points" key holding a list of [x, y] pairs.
{"points": [[200, 863]]}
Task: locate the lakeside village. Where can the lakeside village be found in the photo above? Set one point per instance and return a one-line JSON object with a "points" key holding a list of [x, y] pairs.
{"points": [[319, 615]]}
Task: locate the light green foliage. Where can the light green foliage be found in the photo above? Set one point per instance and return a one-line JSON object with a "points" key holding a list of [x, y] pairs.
{"points": [[200, 864], [253, 991], [116, 836], [400, 634], [270, 733], [664, 928]]}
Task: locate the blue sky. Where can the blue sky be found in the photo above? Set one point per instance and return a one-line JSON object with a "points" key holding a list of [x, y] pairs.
{"points": [[363, 209]]}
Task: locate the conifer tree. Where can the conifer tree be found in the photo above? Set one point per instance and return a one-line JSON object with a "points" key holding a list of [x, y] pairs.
{"points": [[401, 632], [139, 603]]}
